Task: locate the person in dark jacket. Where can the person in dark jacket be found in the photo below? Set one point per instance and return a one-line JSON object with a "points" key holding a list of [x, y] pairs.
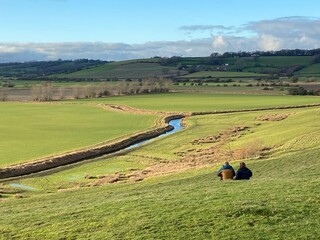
{"points": [[243, 172], [224, 167]]}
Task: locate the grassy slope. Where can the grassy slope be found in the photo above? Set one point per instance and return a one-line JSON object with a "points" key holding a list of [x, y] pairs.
{"points": [[221, 74], [284, 61], [150, 67], [206, 101], [312, 70], [285, 136], [125, 69], [280, 202], [31, 131]]}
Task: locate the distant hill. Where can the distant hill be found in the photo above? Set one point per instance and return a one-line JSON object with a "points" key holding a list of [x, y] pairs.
{"points": [[272, 65], [45, 68], [127, 69]]}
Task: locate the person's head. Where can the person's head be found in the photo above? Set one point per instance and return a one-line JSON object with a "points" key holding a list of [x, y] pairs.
{"points": [[242, 165]]}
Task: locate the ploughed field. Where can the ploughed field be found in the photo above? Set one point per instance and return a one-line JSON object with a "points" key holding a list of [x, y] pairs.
{"points": [[167, 189]]}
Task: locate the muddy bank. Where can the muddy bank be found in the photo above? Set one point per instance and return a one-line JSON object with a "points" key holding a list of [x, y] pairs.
{"points": [[56, 161]]}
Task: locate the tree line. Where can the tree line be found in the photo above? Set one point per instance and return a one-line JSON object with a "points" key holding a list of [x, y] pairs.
{"points": [[46, 91], [283, 52], [35, 69]]}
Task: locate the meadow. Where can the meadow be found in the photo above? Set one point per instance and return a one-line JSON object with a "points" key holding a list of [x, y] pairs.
{"points": [[312, 70], [30, 131], [124, 69], [279, 202], [223, 74], [197, 102], [284, 61]]}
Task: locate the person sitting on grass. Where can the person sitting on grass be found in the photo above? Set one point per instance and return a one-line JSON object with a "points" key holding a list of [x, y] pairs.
{"points": [[226, 171], [243, 172]]}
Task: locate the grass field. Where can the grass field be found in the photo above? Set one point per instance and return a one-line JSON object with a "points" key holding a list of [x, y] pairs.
{"points": [[312, 70], [261, 69], [70, 83], [284, 61], [197, 102], [284, 137], [280, 202], [62, 128], [30, 131], [223, 74], [125, 69], [228, 88]]}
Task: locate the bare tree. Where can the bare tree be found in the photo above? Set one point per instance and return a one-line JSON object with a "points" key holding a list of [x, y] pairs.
{"points": [[61, 93], [46, 91], [77, 92], [36, 92], [3, 96]]}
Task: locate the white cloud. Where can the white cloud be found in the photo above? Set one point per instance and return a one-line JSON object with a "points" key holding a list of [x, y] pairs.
{"points": [[269, 42], [11, 52], [282, 33], [220, 43], [204, 28]]}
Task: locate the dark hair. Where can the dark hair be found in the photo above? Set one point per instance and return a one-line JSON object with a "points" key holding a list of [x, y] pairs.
{"points": [[242, 165]]}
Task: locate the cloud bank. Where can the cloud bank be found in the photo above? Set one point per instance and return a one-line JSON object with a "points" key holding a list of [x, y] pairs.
{"points": [[282, 33]]}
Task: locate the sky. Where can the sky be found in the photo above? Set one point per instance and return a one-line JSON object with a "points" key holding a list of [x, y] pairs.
{"points": [[126, 29]]}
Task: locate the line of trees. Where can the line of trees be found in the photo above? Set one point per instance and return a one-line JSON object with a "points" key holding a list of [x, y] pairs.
{"points": [[283, 52], [303, 91], [46, 91]]}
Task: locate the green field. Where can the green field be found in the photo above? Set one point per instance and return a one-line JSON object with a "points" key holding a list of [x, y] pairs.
{"points": [[125, 69], [30, 131], [261, 69], [312, 70], [284, 61], [51, 129], [223, 74], [280, 202], [69, 83], [166, 189], [196, 102], [284, 137]]}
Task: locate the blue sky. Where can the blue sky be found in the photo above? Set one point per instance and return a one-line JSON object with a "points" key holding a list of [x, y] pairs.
{"points": [[124, 29]]}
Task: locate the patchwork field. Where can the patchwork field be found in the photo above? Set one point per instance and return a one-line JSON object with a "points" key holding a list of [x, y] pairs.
{"points": [[124, 69]]}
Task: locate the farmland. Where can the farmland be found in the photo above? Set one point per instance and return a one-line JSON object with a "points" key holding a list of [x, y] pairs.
{"points": [[197, 102], [188, 201], [167, 188], [30, 131], [125, 69], [222, 74]]}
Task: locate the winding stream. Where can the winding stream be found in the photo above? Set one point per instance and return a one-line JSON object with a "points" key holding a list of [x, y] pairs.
{"points": [[175, 123], [174, 126]]}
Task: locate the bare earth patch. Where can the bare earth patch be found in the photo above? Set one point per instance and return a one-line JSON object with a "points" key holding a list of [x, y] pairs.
{"points": [[273, 117], [219, 150]]}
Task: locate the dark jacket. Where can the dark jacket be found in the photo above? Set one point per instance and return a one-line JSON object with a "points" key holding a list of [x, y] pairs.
{"points": [[243, 173], [226, 166]]}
